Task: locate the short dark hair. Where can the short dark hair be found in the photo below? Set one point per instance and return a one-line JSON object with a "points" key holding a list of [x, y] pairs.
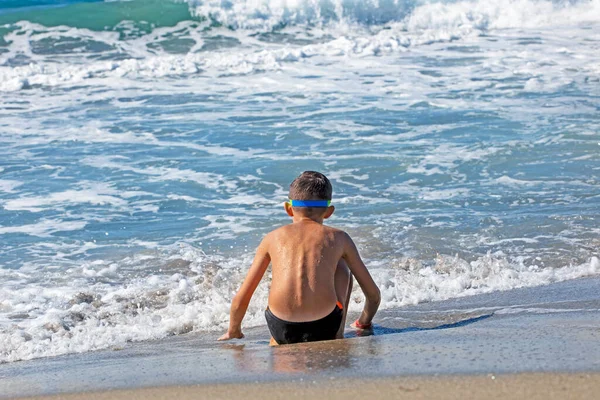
{"points": [[310, 185]]}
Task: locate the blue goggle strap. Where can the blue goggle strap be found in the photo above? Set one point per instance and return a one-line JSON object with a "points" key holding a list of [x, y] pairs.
{"points": [[309, 203]]}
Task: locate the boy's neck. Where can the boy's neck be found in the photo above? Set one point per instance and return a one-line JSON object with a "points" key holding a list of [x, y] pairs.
{"points": [[303, 218]]}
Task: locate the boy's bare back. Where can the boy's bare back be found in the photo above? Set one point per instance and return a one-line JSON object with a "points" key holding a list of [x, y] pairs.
{"points": [[304, 258]]}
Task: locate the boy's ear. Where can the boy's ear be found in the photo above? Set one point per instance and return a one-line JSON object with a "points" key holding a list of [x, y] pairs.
{"points": [[329, 211], [288, 209]]}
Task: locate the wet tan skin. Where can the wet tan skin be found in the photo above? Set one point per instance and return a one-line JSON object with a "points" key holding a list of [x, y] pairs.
{"points": [[312, 268]]}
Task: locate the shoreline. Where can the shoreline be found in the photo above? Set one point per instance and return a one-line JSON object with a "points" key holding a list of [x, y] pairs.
{"points": [[530, 336], [510, 386]]}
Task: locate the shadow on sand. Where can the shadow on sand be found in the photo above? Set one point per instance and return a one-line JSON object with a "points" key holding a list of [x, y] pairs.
{"points": [[382, 330]]}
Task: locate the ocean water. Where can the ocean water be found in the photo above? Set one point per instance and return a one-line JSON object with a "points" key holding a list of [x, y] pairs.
{"points": [[146, 146]]}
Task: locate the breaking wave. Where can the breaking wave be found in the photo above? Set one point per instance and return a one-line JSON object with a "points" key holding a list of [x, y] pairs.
{"points": [[106, 304]]}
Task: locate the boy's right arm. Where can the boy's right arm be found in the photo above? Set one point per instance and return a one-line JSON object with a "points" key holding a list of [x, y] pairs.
{"points": [[364, 279], [240, 302]]}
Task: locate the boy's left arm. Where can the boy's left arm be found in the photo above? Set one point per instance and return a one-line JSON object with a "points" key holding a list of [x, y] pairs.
{"points": [[240, 302]]}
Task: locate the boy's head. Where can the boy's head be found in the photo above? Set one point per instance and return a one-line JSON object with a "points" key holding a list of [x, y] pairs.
{"points": [[311, 185]]}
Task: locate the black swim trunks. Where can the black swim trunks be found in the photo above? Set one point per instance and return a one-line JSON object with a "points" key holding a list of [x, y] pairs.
{"points": [[285, 332]]}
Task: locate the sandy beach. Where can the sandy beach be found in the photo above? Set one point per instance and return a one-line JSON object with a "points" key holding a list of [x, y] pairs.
{"points": [[521, 386]]}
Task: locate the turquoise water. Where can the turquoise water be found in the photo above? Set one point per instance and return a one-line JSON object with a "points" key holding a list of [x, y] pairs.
{"points": [[11, 6], [147, 146]]}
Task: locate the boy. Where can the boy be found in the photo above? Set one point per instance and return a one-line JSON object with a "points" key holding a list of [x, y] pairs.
{"points": [[311, 266]]}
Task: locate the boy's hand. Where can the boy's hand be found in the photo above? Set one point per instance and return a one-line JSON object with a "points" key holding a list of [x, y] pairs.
{"points": [[232, 335], [358, 325]]}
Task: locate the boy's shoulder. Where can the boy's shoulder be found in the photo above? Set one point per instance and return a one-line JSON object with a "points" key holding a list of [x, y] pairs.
{"points": [[290, 235], [287, 229]]}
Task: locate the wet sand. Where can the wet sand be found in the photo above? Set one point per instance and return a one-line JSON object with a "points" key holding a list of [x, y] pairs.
{"points": [[522, 386]]}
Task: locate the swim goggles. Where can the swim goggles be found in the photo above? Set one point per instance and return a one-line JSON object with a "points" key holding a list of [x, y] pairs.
{"points": [[309, 203]]}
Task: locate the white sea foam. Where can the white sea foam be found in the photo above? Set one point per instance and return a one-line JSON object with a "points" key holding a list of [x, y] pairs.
{"points": [[450, 277], [507, 180], [44, 227], [268, 14], [508, 14], [443, 194], [53, 200], [206, 179], [105, 304], [31, 133], [446, 158], [536, 310], [8, 186], [406, 25]]}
